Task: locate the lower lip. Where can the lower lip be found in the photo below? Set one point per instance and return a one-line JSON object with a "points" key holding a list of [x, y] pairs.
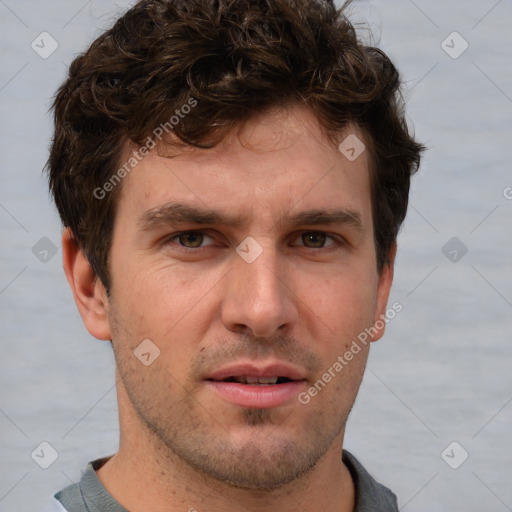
{"points": [[257, 396]]}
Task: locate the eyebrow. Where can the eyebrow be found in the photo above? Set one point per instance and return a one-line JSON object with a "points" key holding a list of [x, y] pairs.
{"points": [[175, 213]]}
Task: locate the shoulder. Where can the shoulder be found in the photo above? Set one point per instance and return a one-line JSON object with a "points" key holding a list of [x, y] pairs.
{"points": [[71, 498], [371, 496], [87, 495]]}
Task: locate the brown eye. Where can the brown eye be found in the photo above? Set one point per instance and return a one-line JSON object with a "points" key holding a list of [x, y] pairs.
{"points": [[191, 239], [314, 239]]}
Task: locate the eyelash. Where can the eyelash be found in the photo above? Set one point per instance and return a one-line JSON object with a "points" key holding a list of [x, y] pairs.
{"points": [[336, 240]]}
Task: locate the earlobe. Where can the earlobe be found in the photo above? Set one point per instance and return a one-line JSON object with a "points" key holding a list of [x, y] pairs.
{"points": [[384, 287], [88, 291]]}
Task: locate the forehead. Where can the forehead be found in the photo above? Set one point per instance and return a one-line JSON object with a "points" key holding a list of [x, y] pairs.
{"points": [[280, 161]]}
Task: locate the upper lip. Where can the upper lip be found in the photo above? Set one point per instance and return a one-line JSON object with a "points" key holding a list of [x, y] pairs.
{"points": [[253, 370]]}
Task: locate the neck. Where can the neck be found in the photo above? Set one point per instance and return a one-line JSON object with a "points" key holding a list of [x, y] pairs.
{"points": [[171, 485]]}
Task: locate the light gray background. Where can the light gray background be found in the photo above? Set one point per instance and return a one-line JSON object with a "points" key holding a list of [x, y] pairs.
{"points": [[443, 371]]}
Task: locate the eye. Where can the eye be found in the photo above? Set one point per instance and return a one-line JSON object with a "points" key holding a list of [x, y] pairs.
{"points": [[315, 239], [192, 239]]}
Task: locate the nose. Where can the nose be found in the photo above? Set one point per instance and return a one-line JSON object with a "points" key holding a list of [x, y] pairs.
{"points": [[258, 297]]}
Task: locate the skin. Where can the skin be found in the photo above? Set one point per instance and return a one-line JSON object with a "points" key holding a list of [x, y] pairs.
{"points": [[302, 301]]}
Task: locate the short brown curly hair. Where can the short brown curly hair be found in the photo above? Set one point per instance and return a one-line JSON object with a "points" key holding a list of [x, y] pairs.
{"points": [[235, 58]]}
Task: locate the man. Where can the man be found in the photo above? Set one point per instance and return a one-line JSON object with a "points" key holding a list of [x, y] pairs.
{"points": [[232, 176]]}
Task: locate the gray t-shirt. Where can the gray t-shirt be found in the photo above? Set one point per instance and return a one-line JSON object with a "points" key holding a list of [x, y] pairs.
{"points": [[89, 495]]}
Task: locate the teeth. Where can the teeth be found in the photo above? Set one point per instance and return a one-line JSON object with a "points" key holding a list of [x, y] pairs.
{"points": [[255, 380], [269, 380]]}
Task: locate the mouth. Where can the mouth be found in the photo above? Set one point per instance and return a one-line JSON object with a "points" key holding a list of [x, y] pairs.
{"points": [[261, 387], [256, 381]]}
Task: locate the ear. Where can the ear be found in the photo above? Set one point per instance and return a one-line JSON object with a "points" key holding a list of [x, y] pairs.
{"points": [[383, 289], [89, 293]]}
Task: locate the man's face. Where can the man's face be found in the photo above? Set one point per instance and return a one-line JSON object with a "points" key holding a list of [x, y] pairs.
{"points": [[286, 304]]}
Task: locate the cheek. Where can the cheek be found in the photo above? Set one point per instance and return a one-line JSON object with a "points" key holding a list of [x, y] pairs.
{"points": [[166, 304], [343, 304]]}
